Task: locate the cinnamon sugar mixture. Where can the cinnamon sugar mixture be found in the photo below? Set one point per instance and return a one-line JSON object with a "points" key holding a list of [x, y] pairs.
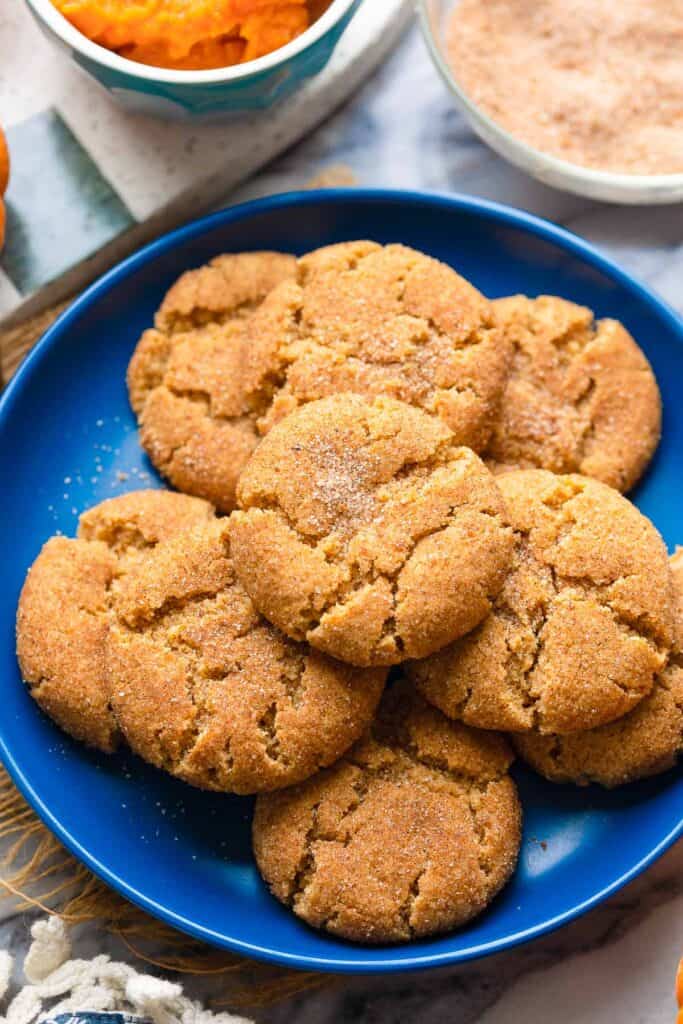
{"points": [[595, 82]]}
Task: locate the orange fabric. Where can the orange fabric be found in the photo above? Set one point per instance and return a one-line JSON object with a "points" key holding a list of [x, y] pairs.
{"points": [[188, 34]]}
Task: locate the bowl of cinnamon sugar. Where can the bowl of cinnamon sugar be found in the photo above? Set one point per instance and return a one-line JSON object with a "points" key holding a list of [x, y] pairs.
{"points": [[585, 96]]}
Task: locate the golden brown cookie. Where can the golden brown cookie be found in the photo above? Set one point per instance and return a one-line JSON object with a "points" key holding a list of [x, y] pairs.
{"points": [[355, 317], [581, 396], [186, 379], [62, 615], [382, 320], [412, 833], [582, 625], [645, 742], [368, 532], [206, 689]]}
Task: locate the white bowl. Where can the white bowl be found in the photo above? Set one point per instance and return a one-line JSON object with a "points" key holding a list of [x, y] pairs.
{"points": [[648, 189]]}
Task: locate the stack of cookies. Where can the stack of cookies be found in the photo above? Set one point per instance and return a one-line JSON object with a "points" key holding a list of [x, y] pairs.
{"points": [[400, 534]]}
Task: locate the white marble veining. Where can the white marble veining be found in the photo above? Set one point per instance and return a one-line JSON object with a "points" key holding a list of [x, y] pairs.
{"points": [[615, 965]]}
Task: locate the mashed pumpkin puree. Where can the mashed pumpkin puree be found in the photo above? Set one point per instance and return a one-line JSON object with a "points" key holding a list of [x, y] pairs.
{"points": [[190, 34]]}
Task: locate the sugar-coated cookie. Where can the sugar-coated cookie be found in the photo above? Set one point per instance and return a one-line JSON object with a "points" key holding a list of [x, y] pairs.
{"points": [[368, 532], [382, 320], [62, 619], [581, 396], [582, 624], [645, 742], [222, 366], [188, 379], [203, 687], [412, 833]]}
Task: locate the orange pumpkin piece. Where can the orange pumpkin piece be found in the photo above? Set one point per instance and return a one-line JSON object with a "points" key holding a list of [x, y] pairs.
{"points": [[4, 181], [188, 34], [679, 991], [4, 163]]}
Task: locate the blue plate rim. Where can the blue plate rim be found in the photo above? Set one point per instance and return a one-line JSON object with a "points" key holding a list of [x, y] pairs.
{"points": [[490, 210]]}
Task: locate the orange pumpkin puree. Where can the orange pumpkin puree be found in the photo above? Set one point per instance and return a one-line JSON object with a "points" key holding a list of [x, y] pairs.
{"points": [[189, 34]]}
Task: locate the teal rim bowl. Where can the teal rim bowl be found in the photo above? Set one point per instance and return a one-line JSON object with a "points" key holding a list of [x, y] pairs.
{"points": [[238, 89]]}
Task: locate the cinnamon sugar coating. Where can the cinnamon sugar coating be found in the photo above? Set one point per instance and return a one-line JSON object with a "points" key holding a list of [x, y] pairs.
{"points": [[412, 833], [581, 396], [186, 383], [206, 689], [368, 532], [383, 320], [645, 742], [582, 624], [222, 367], [62, 618]]}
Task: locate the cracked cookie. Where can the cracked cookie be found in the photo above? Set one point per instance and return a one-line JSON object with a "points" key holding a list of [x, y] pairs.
{"points": [[382, 320], [645, 742], [581, 396], [412, 833], [368, 532], [582, 624], [187, 380], [205, 688], [62, 619], [355, 317]]}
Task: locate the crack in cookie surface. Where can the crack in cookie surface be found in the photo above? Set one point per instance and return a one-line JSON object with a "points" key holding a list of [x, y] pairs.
{"points": [[644, 742], [197, 413], [581, 626], [205, 688], [391, 321], [581, 396], [356, 317], [349, 510], [230, 286], [328, 847], [62, 619]]}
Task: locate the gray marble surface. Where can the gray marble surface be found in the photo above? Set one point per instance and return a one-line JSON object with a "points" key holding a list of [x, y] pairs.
{"points": [[615, 965]]}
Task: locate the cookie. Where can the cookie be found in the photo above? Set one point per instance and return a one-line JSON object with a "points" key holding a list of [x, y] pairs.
{"points": [[63, 609], [412, 833], [645, 742], [203, 687], [368, 532], [382, 320], [355, 317], [228, 288], [582, 625], [581, 396], [186, 379]]}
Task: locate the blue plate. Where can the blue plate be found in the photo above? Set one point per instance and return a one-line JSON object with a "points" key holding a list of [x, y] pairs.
{"points": [[67, 435]]}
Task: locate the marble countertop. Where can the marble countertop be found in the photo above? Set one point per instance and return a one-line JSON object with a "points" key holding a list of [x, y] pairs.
{"points": [[617, 963]]}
